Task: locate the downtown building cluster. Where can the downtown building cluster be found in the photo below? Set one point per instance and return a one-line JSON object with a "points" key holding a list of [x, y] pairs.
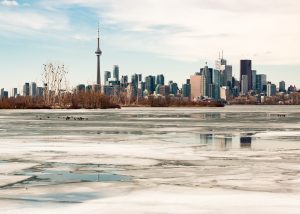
{"points": [[28, 89], [216, 83]]}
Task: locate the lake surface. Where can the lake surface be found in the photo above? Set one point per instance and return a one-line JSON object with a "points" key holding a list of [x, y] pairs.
{"points": [[151, 160]]}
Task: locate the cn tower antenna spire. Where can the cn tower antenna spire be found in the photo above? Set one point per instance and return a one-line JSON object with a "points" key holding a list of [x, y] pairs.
{"points": [[98, 53]]}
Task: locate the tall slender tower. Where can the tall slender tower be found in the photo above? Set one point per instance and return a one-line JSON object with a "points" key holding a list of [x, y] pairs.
{"points": [[98, 54]]}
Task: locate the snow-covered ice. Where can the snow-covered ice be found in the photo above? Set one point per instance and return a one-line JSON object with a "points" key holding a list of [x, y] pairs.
{"points": [[151, 160]]}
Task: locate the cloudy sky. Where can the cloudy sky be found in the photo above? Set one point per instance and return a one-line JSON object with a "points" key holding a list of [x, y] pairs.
{"points": [[173, 37]]}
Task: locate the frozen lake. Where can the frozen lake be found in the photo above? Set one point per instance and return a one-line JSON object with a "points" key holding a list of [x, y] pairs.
{"points": [[237, 159]]}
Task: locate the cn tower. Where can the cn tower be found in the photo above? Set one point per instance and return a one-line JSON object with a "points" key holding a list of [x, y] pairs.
{"points": [[98, 53]]}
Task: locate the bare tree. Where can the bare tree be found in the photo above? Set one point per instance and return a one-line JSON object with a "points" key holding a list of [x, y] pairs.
{"points": [[55, 82]]}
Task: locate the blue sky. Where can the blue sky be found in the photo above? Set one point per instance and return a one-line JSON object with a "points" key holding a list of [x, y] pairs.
{"points": [[173, 37]]}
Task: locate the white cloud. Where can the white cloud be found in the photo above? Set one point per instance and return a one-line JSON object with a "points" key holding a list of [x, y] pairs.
{"points": [[9, 3], [198, 29], [187, 30]]}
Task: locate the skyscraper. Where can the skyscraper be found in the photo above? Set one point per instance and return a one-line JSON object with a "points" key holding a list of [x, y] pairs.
{"points": [[254, 80], [271, 89], [116, 72], [107, 75], [225, 71], [26, 89], [244, 84], [32, 89], [160, 79], [150, 84], [98, 54], [186, 89], [282, 86], [246, 69], [14, 92], [208, 74], [197, 86], [173, 88], [261, 81]]}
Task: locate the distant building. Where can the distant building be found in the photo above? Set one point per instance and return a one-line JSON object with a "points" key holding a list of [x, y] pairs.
{"points": [[107, 76], [197, 86], [225, 72], [5, 94], [246, 70], [254, 80], [124, 82], [282, 86], [160, 79], [292, 89], [186, 89], [244, 85], [2, 93], [164, 90], [208, 78], [40, 91], [116, 72], [261, 82], [26, 89], [225, 93], [89, 88], [150, 84], [173, 88], [14, 92], [214, 91], [32, 89], [80, 88], [131, 91], [271, 89], [135, 80]]}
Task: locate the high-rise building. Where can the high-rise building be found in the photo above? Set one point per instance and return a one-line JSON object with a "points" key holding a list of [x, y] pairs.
{"points": [[80, 88], [261, 81], [89, 88], [208, 78], [244, 85], [271, 89], [160, 79], [216, 77], [254, 80], [14, 92], [32, 89], [282, 86], [26, 89], [164, 90], [116, 72], [107, 76], [220, 63], [2, 93], [198, 84], [225, 71], [173, 88], [140, 76], [135, 80], [224, 93], [214, 91], [186, 89], [246, 69], [150, 84], [5, 94], [40, 91], [98, 53], [227, 76]]}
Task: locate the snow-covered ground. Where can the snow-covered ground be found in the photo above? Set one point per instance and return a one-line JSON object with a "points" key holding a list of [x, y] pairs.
{"points": [[138, 160]]}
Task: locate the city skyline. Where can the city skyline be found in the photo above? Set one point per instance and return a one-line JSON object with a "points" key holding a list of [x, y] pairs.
{"points": [[59, 40]]}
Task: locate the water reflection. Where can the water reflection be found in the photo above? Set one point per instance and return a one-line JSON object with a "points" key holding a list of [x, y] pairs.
{"points": [[246, 142], [226, 142]]}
